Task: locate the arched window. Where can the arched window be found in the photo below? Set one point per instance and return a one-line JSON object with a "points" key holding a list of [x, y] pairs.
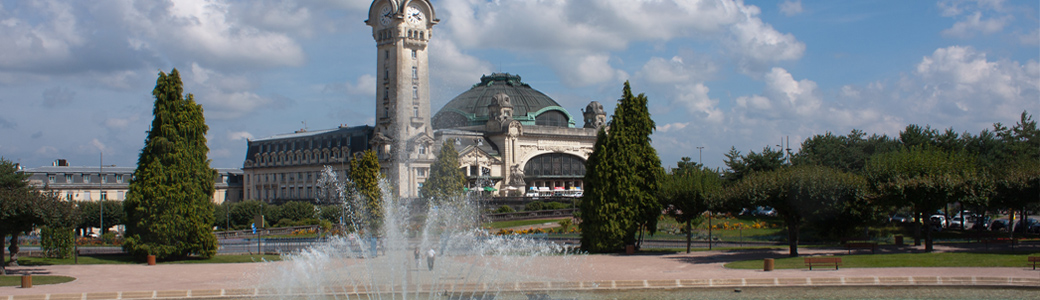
{"points": [[552, 118], [555, 164]]}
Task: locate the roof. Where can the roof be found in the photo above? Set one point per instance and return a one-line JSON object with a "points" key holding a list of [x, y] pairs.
{"points": [[472, 104], [80, 169]]}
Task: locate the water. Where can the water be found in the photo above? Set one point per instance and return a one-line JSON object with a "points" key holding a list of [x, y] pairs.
{"points": [[376, 260]]}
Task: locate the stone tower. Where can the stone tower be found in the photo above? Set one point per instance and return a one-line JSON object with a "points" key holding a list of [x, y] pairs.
{"points": [[402, 135]]}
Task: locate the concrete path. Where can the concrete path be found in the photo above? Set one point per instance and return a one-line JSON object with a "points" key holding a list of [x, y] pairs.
{"points": [[695, 269]]}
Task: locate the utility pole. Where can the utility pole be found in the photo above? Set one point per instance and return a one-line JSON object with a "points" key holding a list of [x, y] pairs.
{"points": [[700, 155]]}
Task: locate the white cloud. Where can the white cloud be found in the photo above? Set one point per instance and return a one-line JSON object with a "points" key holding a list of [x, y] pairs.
{"points": [[757, 44], [223, 96], [1030, 39], [671, 126], [121, 123], [960, 80], [455, 69], [697, 102], [974, 24], [579, 34], [799, 96], [790, 8], [365, 86], [239, 136], [678, 69]]}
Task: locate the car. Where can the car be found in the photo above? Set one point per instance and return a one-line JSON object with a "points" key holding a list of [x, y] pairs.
{"points": [[938, 220], [1025, 225], [899, 218], [957, 223], [765, 211], [980, 223], [999, 225]]}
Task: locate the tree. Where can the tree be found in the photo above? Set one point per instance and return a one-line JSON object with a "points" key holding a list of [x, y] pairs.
{"points": [[167, 207], [446, 180], [742, 166], [23, 208], [800, 194], [689, 191], [848, 153], [90, 214], [364, 172], [922, 178], [621, 179]]}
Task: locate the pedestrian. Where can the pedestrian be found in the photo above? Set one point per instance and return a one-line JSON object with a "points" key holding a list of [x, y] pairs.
{"points": [[430, 255], [418, 257]]}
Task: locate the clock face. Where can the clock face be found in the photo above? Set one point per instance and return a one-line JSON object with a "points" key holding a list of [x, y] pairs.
{"points": [[414, 14], [385, 14]]}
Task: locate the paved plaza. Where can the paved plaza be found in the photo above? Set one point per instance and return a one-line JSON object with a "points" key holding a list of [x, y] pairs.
{"points": [[698, 269]]}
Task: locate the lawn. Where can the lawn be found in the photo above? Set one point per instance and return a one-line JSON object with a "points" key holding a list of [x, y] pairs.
{"points": [[959, 259], [519, 223], [16, 280], [126, 259]]}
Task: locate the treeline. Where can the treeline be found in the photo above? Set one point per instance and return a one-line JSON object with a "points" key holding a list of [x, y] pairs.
{"points": [[840, 183]]}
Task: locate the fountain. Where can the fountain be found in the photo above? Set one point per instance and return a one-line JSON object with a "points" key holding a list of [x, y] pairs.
{"points": [[470, 262]]}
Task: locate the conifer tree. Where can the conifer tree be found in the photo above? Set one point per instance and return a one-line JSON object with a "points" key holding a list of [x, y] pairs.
{"points": [[167, 208], [621, 179], [446, 180], [364, 173]]}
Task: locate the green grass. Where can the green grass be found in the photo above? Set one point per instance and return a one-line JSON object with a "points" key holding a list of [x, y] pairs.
{"points": [[126, 259], [16, 280], [959, 259], [517, 223]]}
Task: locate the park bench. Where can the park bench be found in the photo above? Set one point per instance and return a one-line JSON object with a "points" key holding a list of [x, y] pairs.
{"points": [[1034, 260], [861, 245], [810, 261]]}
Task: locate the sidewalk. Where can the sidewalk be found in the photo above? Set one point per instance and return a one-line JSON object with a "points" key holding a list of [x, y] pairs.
{"points": [[605, 271]]}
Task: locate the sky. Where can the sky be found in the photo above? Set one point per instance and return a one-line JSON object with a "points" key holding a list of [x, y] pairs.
{"points": [[76, 76]]}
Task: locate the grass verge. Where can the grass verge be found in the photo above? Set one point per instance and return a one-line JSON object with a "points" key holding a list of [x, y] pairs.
{"points": [[16, 280], [126, 259], [959, 259]]}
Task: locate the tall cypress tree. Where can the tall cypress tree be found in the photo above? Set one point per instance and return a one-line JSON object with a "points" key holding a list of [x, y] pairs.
{"points": [[446, 180], [621, 179], [168, 210], [364, 173]]}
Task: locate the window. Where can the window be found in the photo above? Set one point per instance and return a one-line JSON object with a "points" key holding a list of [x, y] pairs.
{"points": [[415, 72], [68, 196], [414, 55], [86, 178], [415, 111], [120, 195], [485, 171], [104, 178], [552, 118], [422, 149], [415, 92], [68, 178], [386, 73], [86, 195], [51, 178], [119, 178], [104, 195], [421, 172]]}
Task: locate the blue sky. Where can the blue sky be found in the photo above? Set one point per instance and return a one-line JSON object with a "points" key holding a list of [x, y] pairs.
{"points": [[76, 76]]}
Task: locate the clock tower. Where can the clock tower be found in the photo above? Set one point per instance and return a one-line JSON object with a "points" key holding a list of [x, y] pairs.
{"points": [[403, 135]]}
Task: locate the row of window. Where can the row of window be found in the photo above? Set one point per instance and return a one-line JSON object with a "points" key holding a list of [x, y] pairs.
{"points": [[327, 142], [305, 156], [71, 196], [86, 178]]}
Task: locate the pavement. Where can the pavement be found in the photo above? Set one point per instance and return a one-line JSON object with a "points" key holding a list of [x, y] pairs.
{"points": [[698, 269]]}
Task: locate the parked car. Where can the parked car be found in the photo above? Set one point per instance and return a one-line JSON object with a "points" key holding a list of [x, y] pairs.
{"points": [[980, 223], [999, 225], [764, 211], [939, 220], [957, 223], [1025, 225], [899, 218]]}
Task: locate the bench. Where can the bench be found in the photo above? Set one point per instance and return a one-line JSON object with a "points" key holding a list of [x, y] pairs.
{"points": [[810, 261], [1034, 260], [861, 245]]}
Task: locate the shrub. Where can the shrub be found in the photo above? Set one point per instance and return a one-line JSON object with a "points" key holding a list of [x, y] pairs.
{"points": [[504, 209]]}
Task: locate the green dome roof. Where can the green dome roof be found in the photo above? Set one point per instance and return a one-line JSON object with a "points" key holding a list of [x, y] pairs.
{"points": [[471, 107]]}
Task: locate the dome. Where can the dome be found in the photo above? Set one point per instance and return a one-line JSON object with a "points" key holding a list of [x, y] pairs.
{"points": [[471, 107]]}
